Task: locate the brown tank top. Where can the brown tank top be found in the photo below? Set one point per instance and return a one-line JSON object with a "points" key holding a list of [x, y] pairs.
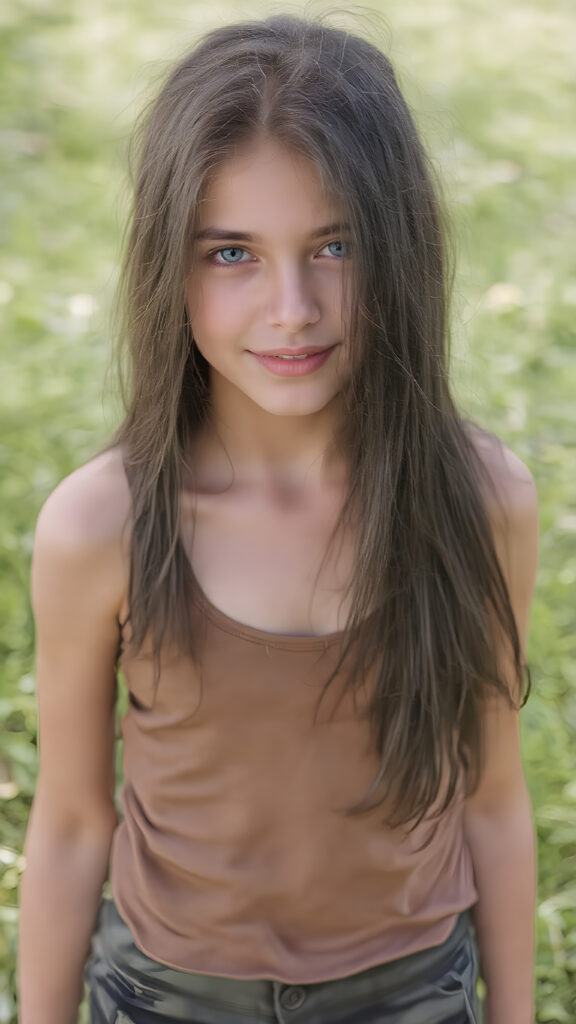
{"points": [[234, 857]]}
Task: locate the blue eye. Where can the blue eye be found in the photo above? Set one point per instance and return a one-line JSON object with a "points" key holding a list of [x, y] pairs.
{"points": [[235, 249], [220, 257], [343, 248]]}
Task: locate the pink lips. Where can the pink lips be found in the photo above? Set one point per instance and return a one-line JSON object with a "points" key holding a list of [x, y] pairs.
{"points": [[311, 359]]}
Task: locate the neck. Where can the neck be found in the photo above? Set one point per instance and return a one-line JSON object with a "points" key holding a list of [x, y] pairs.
{"points": [[242, 444]]}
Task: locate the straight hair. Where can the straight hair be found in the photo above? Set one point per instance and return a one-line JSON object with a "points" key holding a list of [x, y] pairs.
{"points": [[429, 606]]}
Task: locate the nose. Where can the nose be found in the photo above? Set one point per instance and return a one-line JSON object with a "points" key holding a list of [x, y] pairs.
{"points": [[293, 302]]}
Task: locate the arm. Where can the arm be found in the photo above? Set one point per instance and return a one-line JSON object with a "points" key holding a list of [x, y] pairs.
{"points": [[498, 818], [77, 585]]}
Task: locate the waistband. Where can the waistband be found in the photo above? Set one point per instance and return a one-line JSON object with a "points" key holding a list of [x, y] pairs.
{"points": [[140, 981]]}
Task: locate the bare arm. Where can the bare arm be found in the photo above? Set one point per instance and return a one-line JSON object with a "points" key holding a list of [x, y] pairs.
{"points": [[498, 817], [77, 586]]}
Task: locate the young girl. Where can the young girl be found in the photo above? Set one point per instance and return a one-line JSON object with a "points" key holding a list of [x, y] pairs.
{"points": [[314, 574]]}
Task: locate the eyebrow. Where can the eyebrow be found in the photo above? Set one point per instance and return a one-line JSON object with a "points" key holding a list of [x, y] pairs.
{"points": [[217, 234]]}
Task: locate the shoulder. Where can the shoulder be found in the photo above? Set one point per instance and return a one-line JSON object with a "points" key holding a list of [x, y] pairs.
{"points": [[90, 508], [508, 485], [81, 547], [80, 570], [512, 508]]}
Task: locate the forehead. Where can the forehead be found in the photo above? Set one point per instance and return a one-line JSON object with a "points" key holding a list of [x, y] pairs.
{"points": [[265, 179]]}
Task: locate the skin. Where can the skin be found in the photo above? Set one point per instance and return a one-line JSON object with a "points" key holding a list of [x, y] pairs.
{"points": [[266, 490], [498, 819], [281, 290], [268, 482]]}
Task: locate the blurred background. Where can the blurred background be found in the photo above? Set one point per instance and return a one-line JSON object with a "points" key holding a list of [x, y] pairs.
{"points": [[492, 85]]}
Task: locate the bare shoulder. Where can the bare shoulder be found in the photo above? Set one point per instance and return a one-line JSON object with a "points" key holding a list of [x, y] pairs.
{"points": [[81, 547], [90, 508], [512, 506], [510, 489]]}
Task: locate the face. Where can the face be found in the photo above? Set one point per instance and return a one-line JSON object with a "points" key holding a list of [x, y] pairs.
{"points": [[264, 293]]}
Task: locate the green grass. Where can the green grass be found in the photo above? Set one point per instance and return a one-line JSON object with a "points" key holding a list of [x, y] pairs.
{"points": [[492, 85]]}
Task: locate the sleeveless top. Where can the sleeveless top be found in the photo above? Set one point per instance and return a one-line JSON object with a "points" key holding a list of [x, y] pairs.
{"points": [[234, 856]]}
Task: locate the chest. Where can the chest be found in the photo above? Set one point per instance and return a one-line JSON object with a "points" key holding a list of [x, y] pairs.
{"points": [[268, 564]]}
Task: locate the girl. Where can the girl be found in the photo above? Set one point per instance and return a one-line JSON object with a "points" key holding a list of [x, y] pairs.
{"points": [[314, 574]]}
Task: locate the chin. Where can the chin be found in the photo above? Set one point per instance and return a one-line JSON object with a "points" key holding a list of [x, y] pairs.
{"points": [[299, 408]]}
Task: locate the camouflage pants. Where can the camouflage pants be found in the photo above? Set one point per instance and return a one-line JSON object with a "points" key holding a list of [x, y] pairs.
{"points": [[435, 986]]}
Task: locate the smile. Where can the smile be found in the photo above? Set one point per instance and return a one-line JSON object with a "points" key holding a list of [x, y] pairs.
{"points": [[291, 357], [297, 364]]}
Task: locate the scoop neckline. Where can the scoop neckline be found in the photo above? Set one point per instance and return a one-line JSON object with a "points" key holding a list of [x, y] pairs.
{"points": [[286, 641]]}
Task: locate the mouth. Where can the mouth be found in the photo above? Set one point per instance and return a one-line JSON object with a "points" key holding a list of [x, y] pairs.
{"points": [[294, 353], [297, 362]]}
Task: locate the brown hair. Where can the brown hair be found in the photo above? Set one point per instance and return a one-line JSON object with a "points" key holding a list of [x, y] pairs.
{"points": [[427, 593]]}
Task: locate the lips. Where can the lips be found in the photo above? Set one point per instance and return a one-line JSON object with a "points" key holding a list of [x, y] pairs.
{"points": [[296, 353], [293, 362]]}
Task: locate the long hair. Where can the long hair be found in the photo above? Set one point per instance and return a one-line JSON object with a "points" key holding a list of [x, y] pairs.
{"points": [[427, 595]]}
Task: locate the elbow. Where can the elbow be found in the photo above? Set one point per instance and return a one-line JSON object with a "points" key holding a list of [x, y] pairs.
{"points": [[495, 820], [91, 827]]}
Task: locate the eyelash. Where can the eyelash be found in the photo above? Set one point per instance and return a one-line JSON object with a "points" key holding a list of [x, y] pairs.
{"points": [[210, 256]]}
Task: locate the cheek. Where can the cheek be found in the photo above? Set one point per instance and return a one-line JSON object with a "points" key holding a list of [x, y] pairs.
{"points": [[216, 311]]}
